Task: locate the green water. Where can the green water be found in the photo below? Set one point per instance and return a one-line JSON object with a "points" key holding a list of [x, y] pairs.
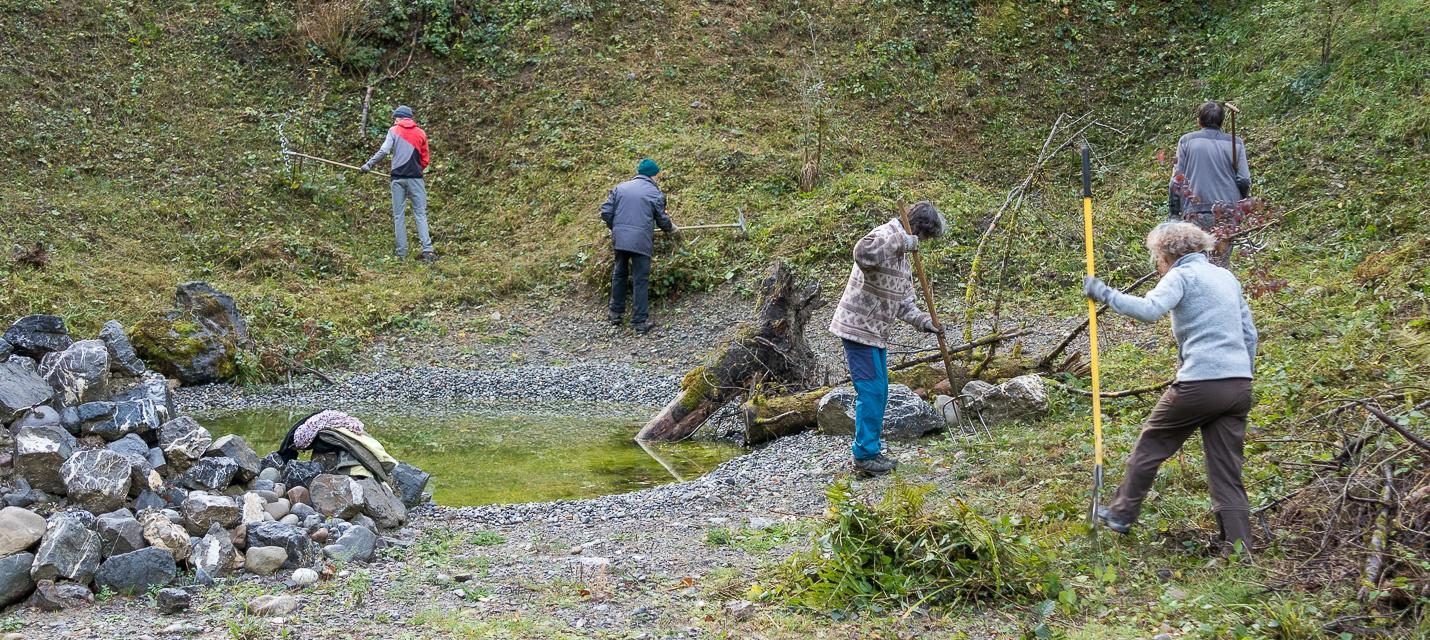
{"points": [[479, 456]]}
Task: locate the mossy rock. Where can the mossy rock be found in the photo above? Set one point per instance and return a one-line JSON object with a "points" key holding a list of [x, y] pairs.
{"points": [[180, 347]]}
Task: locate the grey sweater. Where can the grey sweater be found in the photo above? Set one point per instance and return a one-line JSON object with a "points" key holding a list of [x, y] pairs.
{"points": [[1204, 157], [1216, 338]]}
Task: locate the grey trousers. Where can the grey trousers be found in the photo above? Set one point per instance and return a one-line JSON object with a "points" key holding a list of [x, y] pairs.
{"points": [[413, 189], [1216, 408]]}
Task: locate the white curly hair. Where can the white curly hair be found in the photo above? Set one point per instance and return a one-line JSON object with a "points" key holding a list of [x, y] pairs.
{"points": [[1170, 241]]}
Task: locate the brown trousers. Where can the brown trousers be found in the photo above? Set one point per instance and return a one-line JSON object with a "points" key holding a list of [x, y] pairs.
{"points": [[1218, 409]]}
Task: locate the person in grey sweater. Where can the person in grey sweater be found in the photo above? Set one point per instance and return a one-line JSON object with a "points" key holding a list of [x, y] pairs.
{"points": [[632, 211], [1216, 345], [1209, 169]]}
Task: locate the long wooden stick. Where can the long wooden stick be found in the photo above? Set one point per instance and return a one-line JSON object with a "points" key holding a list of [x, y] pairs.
{"points": [[334, 163], [928, 297]]}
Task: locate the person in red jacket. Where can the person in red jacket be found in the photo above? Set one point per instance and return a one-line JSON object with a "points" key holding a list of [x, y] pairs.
{"points": [[407, 143]]}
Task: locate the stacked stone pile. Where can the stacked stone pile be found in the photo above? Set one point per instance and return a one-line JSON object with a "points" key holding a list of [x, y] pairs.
{"points": [[106, 487]]}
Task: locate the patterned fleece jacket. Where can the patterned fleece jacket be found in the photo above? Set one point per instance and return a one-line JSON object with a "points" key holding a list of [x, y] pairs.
{"points": [[880, 289]]}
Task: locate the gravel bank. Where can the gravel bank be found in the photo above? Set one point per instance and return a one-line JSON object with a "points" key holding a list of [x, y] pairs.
{"points": [[581, 383]]}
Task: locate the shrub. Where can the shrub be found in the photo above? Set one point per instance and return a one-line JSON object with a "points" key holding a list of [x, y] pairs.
{"points": [[336, 29], [901, 551]]}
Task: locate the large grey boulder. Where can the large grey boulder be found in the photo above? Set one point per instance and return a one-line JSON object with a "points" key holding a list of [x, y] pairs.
{"points": [[20, 389], [41, 416], [183, 441], [136, 451], [85, 418], [34, 336], [58, 596], [300, 549], [15, 580], [97, 479], [906, 417], [299, 473], [40, 451], [382, 505], [129, 417], [152, 390], [1023, 398], [122, 358], [199, 341], [336, 495], [203, 510], [411, 482], [80, 373], [6, 349], [20, 529], [136, 572], [234, 447], [69, 550], [357, 544], [210, 474], [119, 533], [213, 554]]}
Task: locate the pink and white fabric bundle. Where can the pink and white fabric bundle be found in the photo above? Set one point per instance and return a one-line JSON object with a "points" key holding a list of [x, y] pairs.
{"points": [[328, 419]]}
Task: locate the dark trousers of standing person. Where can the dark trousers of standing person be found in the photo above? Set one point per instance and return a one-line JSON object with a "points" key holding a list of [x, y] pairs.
{"points": [[636, 268], [1218, 409]]}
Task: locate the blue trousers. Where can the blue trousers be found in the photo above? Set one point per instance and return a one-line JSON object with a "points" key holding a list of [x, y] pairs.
{"points": [[869, 369]]}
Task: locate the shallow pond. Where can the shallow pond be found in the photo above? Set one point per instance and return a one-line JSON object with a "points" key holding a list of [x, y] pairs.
{"points": [[480, 456]]}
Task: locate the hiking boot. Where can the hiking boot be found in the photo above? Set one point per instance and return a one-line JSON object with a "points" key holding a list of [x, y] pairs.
{"points": [[614, 318], [428, 257], [643, 328], [875, 466], [1105, 515]]}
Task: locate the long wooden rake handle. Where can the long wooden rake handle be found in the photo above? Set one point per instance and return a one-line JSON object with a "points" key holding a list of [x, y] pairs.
{"points": [[334, 163], [928, 300]]}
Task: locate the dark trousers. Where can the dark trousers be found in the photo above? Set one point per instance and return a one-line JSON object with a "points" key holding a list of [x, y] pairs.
{"points": [[1218, 409], [636, 268]]}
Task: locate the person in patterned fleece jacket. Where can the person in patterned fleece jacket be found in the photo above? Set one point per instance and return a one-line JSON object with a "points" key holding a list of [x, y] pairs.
{"points": [[880, 289], [407, 143]]}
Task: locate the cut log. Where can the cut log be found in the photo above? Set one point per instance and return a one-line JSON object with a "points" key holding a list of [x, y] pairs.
{"points": [[771, 347], [768, 418]]}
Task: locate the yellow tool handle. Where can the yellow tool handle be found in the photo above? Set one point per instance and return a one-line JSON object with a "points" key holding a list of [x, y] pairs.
{"points": [[1091, 309]]}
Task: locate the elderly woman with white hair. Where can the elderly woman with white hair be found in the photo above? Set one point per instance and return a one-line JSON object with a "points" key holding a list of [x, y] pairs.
{"points": [[1216, 344]]}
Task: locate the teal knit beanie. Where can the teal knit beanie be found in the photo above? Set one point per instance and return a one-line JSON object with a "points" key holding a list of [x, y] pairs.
{"points": [[648, 168]]}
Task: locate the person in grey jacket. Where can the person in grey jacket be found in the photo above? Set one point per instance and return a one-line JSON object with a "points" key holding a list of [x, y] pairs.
{"points": [[632, 211], [1216, 344], [1206, 172]]}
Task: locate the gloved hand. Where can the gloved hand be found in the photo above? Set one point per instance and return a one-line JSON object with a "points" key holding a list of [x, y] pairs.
{"points": [[1095, 289], [365, 169], [928, 327], [911, 242]]}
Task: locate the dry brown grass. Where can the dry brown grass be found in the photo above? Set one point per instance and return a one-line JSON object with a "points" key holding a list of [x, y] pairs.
{"points": [[334, 27]]}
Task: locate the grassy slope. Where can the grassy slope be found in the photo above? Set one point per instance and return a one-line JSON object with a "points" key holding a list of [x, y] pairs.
{"points": [[145, 142]]}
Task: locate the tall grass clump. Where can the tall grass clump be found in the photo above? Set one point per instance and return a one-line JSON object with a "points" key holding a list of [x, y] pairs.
{"points": [[906, 551]]}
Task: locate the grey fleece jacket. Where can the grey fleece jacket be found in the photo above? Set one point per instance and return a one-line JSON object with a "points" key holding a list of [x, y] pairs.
{"points": [[1211, 322]]}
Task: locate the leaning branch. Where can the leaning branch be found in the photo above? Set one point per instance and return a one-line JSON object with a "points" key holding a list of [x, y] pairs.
{"points": [[1393, 424]]}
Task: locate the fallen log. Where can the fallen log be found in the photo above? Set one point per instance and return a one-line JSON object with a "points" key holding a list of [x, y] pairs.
{"points": [[767, 418], [770, 347]]}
